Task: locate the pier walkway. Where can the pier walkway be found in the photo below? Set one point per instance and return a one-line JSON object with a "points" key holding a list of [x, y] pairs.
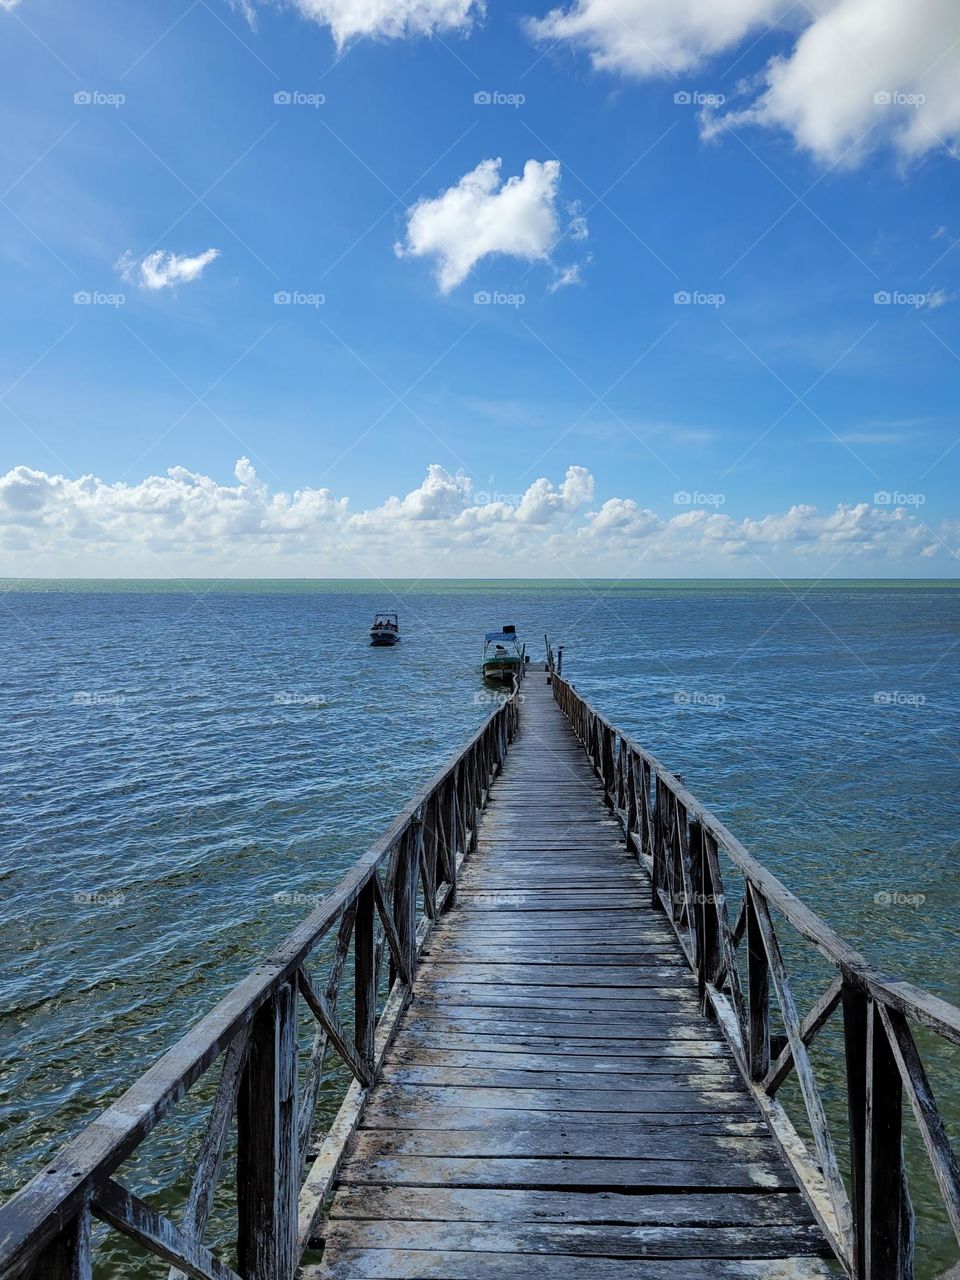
{"points": [[544, 1027], [554, 1103]]}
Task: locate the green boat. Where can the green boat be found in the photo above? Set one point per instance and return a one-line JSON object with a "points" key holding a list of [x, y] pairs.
{"points": [[503, 656]]}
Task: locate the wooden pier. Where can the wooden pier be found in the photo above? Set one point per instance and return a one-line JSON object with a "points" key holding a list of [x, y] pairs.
{"points": [[558, 988], [554, 1103]]}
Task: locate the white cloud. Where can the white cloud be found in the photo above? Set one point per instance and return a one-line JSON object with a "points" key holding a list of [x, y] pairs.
{"points": [[868, 72], [162, 269], [9, 4], [654, 37], [392, 19], [188, 523], [483, 215], [860, 73]]}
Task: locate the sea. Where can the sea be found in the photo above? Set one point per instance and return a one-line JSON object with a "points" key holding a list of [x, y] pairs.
{"points": [[187, 767]]}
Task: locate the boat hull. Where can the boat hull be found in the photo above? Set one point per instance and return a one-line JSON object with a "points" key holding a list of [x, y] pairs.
{"points": [[501, 670], [383, 639]]}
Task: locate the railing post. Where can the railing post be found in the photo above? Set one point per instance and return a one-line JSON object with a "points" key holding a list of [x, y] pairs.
{"points": [[657, 842], [758, 985], [854, 1000], [888, 1215], [708, 932], [633, 807], [68, 1256], [364, 954], [268, 1164], [405, 895]]}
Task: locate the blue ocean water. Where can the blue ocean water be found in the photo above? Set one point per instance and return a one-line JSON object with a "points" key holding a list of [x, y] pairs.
{"points": [[185, 767]]}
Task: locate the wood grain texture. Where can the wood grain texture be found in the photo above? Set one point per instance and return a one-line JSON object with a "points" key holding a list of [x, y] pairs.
{"points": [[555, 1103]]}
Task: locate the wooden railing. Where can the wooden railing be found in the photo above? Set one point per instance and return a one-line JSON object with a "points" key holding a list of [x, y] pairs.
{"points": [[867, 1216], [382, 910]]}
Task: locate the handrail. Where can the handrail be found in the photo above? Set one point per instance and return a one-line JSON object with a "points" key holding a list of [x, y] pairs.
{"points": [[384, 908], [678, 840]]}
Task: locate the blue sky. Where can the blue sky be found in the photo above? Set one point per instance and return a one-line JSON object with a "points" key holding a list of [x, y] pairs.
{"points": [[733, 433]]}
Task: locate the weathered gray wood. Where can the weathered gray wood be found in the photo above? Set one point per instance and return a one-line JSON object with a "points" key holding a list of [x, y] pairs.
{"points": [[69, 1256], [193, 1219], [759, 994], [364, 976], [268, 1156], [115, 1205], [888, 1216], [932, 1128], [469, 1204], [426, 1264], [805, 1077], [581, 1240], [362, 1070]]}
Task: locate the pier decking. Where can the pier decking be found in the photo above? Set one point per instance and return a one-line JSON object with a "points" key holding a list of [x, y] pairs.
{"points": [[554, 1103], [557, 987]]}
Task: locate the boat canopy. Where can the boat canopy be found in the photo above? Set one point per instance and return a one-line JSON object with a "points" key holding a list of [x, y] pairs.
{"points": [[500, 635]]}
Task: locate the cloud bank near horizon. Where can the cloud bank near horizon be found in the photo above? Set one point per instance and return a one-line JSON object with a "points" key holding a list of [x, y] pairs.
{"points": [[186, 523]]}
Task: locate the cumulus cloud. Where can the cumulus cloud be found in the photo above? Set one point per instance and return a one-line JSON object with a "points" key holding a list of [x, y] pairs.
{"points": [[860, 73], [162, 269], [866, 72], [389, 19], [654, 37], [184, 522], [483, 215]]}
